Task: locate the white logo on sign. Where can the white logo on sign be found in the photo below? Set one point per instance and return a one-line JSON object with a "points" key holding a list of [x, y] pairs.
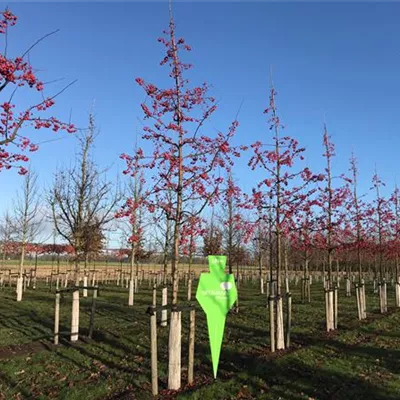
{"points": [[226, 286]]}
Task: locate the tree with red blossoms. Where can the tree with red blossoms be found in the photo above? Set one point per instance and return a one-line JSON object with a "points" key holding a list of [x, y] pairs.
{"points": [[331, 201], [237, 230], [192, 230], [16, 74], [381, 220], [395, 242], [183, 161], [232, 218], [302, 239], [355, 232], [132, 210], [281, 193], [355, 213]]}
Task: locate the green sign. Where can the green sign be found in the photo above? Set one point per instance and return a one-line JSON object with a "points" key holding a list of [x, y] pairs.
{"points": [[216, 294]]}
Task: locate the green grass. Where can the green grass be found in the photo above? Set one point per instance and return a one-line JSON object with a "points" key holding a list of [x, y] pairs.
{"points": [[360, 361]]}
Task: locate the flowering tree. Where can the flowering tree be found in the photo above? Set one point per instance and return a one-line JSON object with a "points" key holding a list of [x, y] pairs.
{"points": [[16, 74], [382, 218], [186, 162], [281, 192], [331, 201], [232, 219], [355, 209], [355, 232], [395, 200], [394, 245], [303, 239], [191, 231], [132, 210]]}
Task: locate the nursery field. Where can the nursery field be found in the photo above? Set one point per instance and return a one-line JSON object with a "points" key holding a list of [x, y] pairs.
{"points": [[361, 360], [44, 268]]}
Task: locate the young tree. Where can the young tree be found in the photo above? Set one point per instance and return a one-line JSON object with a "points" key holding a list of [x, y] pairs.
{"points": [[395, 243], [7, 235], [27, 221], [357, 213], [82, 200], [186, 162], [382, 218], [17, 74], [303, 241], [279, 194], [232, 220], [133, 210], [331, 201], [236, 229]]}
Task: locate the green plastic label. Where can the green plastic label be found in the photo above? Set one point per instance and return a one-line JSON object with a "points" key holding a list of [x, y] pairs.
{"points": [[216, 294]]}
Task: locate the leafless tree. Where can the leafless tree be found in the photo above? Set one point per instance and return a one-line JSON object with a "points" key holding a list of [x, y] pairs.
{"points": [[28, 219], [82, 199], [7, 235]]}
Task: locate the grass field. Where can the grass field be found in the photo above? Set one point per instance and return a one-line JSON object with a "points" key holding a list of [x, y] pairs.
{"points": [[360, 361]]}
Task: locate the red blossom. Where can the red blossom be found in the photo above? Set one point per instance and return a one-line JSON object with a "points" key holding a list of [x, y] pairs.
{"points": [[184, 167], [19, 73]]}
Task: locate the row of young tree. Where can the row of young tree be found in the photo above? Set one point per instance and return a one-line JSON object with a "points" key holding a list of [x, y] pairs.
{"points": [[292, 214]]}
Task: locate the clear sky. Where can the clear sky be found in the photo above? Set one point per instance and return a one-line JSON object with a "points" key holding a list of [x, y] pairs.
{"points": [[338, 60]]}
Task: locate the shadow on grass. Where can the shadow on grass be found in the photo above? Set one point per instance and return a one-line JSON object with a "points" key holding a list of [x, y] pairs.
{"points": [[291, 379]]}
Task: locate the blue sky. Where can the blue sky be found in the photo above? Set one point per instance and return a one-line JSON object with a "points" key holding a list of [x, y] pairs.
{"points": [[338, 60]]}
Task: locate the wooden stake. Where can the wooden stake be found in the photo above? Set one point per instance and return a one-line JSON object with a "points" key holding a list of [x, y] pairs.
{"points": [[20, 285], [57, 319], [189, 286], [364, 301], [164, 302], [262, 285], [192, 325], [92, 313], [75, 316], [280, 338], [358, 300], [335, 308], [131, 292], [174, 351], [288, 319], [154, 367], [85, 281], [272, 323]]}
